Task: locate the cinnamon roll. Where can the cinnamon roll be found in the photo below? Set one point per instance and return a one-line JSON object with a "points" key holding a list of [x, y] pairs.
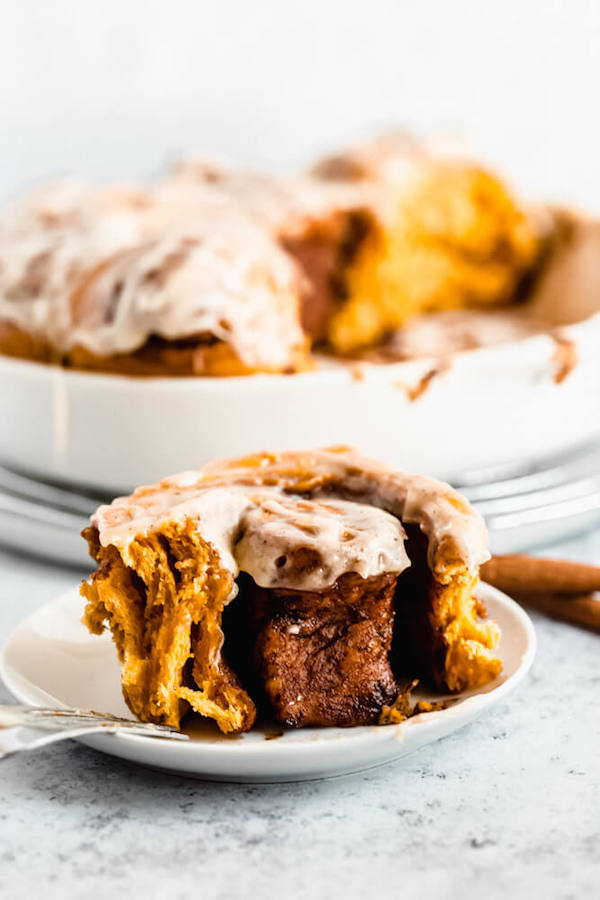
{"points": [[214, 270], [387, 231], [308, 585], [48, 240], [131, 282], [447, 234]]}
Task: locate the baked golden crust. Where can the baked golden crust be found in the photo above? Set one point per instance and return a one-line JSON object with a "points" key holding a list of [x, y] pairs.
{"points": [[25, 345], [159, 358], [169, 555]]}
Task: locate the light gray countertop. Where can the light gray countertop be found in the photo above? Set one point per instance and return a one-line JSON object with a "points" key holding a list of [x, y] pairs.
{"points": [[508, 807]]}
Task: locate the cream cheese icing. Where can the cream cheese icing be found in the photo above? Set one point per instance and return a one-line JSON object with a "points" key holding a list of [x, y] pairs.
{"points": [[75, 263], [50, 238], [261, 532], [258, 512], [230, 282], [284, 205]]}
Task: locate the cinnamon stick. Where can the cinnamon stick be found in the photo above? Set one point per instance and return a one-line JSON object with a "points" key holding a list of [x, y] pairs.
{"points": [[579, 609], [558, 587], [521, 575]]}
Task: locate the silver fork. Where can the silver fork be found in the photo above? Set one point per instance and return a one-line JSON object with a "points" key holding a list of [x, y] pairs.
{"points": [[31, 727]]}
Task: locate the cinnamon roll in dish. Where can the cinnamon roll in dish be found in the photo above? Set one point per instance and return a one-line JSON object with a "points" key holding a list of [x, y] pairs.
{"points": [[448, 234], [223, 302], [390, 230], [306, 585], [130, 285], [214, 270]]}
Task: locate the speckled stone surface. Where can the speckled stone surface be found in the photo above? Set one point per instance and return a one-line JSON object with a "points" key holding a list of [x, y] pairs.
{"points": [[508, 807]]}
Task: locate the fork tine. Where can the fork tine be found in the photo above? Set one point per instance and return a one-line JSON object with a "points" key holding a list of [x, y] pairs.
{"points": [[49, 712]]}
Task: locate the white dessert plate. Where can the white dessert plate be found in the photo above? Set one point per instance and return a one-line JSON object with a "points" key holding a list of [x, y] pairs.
{"points": [[51, 659]]}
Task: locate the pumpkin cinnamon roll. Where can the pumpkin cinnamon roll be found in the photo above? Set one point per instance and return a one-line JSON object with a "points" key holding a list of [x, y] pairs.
{"points": [[215, 270], [387, 231], [445, 234], [48, 240], [219, 299], [309, 586], [219, 302]]}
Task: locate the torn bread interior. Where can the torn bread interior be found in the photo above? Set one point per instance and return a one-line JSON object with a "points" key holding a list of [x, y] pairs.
{"points": [[308, 586]]}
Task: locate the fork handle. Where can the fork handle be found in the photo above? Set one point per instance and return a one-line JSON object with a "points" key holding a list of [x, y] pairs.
{"points": [[31, 727], [26, 737]]}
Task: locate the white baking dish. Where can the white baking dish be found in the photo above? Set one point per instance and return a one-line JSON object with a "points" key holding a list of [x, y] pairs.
{"points": [[492, 406]]}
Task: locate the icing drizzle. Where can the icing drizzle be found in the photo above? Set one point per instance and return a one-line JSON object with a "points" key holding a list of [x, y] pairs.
{"points": [[300, 520]]}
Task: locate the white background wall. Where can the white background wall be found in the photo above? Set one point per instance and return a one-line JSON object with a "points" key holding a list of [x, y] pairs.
{"points": [[111, 88]]}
